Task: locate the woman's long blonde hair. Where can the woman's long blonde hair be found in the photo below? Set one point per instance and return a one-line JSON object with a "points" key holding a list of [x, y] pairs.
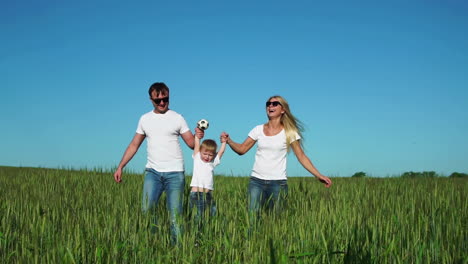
{"points": [[290, 123]]}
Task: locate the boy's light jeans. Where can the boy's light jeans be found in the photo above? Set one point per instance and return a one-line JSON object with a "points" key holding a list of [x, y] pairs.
{"points": [[202, 201]]}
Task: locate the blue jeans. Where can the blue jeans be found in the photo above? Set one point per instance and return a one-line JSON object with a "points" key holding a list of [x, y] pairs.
{"points": [[202, 201], [270, 194], [173, 184]]}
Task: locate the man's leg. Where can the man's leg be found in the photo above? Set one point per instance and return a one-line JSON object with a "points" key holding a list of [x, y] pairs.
{"points": [[152, 190], [175, 183]]}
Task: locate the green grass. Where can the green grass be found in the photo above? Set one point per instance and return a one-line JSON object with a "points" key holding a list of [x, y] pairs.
{"points": [[81, 216]]}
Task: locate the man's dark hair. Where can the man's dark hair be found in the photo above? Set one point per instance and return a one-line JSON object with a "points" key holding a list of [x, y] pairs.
{"points": [[159, 87]]}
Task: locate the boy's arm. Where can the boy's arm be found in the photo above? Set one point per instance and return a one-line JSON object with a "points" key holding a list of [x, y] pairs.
{"points": [[196, 147], [222, 149]]}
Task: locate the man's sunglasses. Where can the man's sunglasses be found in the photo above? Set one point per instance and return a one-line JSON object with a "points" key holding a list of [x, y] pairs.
{"points": [[158, 100], [274, 103]]}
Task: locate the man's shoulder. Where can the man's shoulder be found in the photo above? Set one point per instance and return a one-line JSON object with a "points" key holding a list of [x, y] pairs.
{"points": [[150, 113], [172, 112], [170, 117], [175, 115], [153, 114], [145, 115]]}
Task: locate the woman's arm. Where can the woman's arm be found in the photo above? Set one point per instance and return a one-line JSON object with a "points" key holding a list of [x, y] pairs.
{"points": [[307, 164], [240, 149]]}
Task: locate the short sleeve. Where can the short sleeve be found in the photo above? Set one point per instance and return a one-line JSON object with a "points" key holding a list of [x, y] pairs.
{"points": [[140, 129], [297, 137], [255, 132], [183, 125], [216, 161]]}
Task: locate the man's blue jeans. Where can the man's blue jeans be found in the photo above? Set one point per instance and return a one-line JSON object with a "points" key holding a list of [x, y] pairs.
{"points": [[270, 194], [173, 184]]}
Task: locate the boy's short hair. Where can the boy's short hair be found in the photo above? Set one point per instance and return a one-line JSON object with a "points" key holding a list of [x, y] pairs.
{"points": [[209, 145]]}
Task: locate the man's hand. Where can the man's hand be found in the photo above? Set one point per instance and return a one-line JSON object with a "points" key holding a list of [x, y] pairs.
{"points": [[199, 133]]}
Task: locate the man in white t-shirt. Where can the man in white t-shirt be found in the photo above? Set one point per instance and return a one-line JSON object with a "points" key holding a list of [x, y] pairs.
{"points": [[165, 165]]}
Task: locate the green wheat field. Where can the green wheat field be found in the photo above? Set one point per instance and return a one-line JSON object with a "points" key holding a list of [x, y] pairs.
{"points": [[83, 216]]}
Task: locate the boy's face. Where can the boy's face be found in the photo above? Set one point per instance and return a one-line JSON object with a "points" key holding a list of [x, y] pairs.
{"points": [[206, 156]]}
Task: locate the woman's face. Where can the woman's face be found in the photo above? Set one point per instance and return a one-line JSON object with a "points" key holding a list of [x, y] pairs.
{"points": [[274, 108]]}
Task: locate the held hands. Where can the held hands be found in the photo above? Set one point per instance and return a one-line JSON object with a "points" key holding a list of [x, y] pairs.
{"points": [[199, 133], [224, 137]]}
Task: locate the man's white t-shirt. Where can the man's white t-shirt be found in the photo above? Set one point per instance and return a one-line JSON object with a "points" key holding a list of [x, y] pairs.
{"points": [[203, 172], [270, 158], [162, 132]]}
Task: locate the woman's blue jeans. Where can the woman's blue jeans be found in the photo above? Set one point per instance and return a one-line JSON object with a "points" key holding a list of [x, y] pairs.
{"points": [[270, 194], [173, 184]]}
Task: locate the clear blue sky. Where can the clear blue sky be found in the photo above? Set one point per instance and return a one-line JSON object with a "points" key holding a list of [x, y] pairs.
{"points": [[382, 86]]}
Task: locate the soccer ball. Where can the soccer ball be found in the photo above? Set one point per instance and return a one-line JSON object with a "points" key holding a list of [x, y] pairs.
{"points": [[203, 124]]}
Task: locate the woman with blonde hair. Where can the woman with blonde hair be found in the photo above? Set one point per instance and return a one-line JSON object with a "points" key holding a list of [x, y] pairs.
{"points": [[268, 182]]}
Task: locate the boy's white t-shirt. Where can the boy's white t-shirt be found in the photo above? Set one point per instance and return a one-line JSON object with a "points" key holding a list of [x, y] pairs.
{"points": [[203, 172], [270, 158], [162, 132]]}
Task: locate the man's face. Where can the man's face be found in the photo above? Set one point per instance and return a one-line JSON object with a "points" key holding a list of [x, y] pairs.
{"points": [[160, 102]]}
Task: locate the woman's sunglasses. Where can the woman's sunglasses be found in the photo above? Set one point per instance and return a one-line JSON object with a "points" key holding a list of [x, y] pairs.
{"points": [[158, 100], [274, 103]]}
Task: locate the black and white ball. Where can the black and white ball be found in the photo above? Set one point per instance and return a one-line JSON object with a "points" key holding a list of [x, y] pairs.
{"points": [[203, 124]]}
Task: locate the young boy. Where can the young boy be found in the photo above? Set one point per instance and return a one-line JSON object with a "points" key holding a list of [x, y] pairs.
{"points": [[205, 159]]}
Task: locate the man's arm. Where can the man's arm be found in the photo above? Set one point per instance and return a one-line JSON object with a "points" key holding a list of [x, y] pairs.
{"points": [[189, 138], [128, 155]]}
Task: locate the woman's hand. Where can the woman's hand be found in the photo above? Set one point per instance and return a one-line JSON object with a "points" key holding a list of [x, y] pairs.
{"points": [[325, 180]]}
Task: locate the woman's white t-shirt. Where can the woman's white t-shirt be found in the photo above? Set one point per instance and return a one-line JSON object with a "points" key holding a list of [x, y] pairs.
{"points": [[270, 158], [162, 132], [203, 172]]}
